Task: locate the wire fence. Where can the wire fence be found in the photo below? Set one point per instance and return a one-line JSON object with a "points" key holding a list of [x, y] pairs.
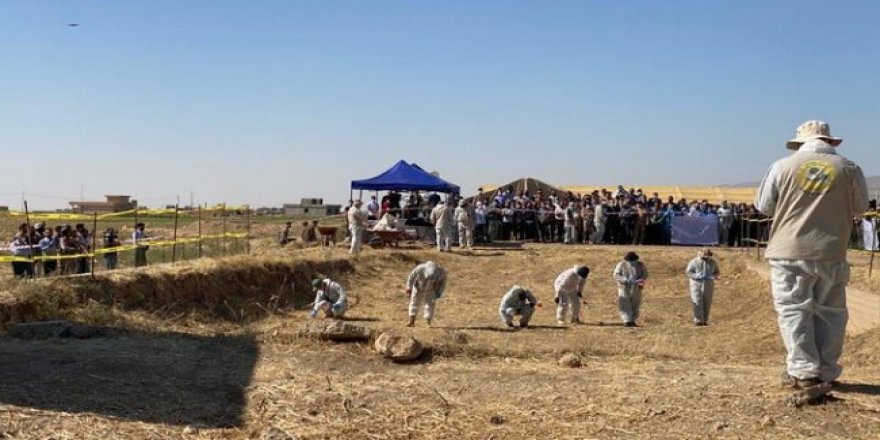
{"points": [[134, 238]]}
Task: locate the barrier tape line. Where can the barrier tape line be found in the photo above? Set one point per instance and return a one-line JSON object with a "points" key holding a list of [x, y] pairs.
{"points": [[123, 248], [140, 211]]}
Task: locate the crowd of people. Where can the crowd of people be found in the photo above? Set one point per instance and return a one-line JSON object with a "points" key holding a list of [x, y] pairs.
{"points": [[622, 217], [72, 246]]}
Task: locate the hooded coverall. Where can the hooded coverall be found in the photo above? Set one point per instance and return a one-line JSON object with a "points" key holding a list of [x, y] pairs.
{"points": [[630, 277], [702, 273], [427, 283], [812, 196], [570, 225], [569, 287], [441, 217], [599, 223], [466, 221], [357, 223], [332, 299], [517, 301]]}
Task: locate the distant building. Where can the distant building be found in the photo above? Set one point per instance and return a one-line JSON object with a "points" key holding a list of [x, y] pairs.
{"points": [[315, 207], [4, 209], [112, 204]]}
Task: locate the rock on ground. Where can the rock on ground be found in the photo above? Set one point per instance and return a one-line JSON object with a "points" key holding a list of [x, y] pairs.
{"points": [[52, 329], [338, 331], [273, 433], [570, 360], [398, 348]]}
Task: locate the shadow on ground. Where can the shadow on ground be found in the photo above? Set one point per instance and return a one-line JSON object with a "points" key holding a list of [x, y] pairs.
{"points": [[500, 329], [859, 388], [170, 378]]}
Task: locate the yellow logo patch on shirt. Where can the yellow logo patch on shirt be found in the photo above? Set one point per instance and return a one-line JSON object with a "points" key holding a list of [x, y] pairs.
{"points": [[816, 176]]}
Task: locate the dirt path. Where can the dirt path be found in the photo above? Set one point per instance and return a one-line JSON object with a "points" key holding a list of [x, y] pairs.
{"points": [[864, 307]]}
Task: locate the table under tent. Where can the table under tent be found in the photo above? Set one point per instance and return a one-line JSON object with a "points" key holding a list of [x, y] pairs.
{"points": [[400, 178]]}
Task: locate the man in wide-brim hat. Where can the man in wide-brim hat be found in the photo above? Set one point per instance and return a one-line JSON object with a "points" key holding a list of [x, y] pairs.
{"points": [[812, 196]]}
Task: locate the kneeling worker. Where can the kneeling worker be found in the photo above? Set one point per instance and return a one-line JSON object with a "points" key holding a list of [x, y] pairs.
{"points": [[702, 271], [424, 285], [517, 301], [569, 287], [330, 298]]}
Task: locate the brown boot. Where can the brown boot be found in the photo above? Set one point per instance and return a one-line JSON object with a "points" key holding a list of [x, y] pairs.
{"points": [[411, 322], [789, 381]]}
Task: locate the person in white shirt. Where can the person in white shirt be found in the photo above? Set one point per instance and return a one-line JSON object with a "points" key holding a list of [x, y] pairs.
{"points": [[139, 237], [725, 222], [481, 232], [373, 209]]}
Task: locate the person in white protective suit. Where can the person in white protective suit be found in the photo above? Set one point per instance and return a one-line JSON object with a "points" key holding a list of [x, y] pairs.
{"points": [[702, 272], [357, 223], [465, 218], [630, 275], [599, 222], [442, 219], [424, 286], [518, 301], [330, 298], [812, 195], [569, 287], [570, 224]]}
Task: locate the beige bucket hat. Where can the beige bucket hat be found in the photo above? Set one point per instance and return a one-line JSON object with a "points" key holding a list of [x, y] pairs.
{"points": [[812, 130]]}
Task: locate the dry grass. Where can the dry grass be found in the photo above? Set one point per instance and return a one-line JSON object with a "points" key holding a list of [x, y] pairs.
{"points": [[666, 379]]}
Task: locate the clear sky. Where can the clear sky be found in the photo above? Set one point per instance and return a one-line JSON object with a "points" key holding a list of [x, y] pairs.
{"points": [[269, 101]]}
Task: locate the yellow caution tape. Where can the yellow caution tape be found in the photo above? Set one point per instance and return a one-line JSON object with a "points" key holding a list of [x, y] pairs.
{"points": [[123, 248], [130, 212]]}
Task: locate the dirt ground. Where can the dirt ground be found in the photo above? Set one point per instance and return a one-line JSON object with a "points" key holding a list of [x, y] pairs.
{"points": [[153, 374]]}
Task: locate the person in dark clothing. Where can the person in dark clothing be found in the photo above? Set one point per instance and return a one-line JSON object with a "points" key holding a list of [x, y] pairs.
{"points": [[111, 240]]}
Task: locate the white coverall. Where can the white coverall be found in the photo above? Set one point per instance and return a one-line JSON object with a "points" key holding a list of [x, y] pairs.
{"points": [[517, 301], [441, 217], [427, 283], [809, 294], [357, 223], [465, 218], [331, 296], [702, 274], [630, 279], [569, 287], [570, 225], [599, 223]]}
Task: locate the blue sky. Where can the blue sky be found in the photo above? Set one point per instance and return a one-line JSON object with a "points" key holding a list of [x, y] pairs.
{"points": [[269, 101]]}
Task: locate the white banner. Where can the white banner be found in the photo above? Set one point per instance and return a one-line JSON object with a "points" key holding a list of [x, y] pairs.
{"points": [[870, 240]]}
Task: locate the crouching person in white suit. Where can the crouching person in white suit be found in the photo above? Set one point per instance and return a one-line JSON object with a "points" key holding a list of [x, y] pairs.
{"points": [[517, 302], [330, 298], [424, 285]]}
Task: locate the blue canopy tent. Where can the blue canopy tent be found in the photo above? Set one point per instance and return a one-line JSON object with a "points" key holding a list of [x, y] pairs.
{"points": [[405, 177]]}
